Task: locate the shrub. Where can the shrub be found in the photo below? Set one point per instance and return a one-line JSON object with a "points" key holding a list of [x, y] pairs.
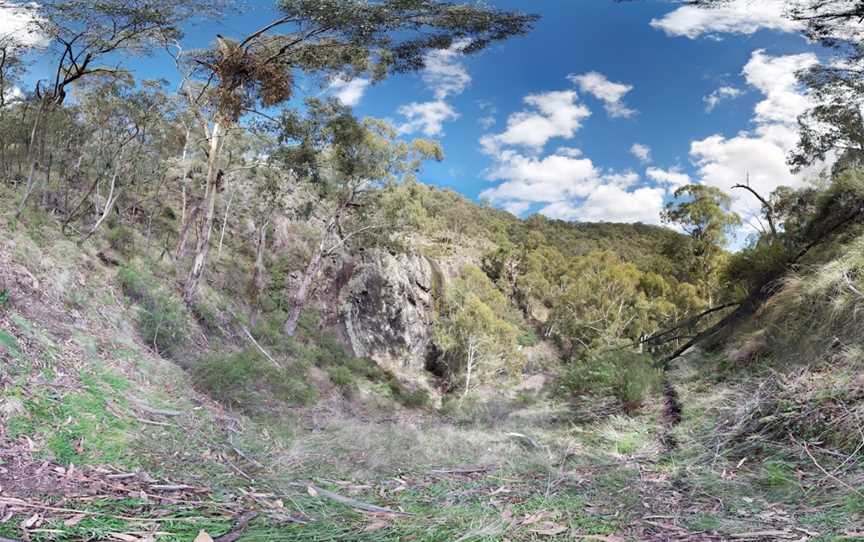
{"points": [[162, 316], [476, 411], [5, 298], [248, 381], [342, 378], [528, 338], [121, 239], [628, 376], [207, 316], [417, 398]]}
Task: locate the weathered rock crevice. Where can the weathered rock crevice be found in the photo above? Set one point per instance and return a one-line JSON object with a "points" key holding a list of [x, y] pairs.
{"points": [[387, 307]]}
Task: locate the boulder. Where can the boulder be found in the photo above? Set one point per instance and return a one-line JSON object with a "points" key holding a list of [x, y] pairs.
{"points": [[387, 307]]}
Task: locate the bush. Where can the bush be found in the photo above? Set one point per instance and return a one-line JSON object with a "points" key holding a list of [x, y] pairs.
{"points": [[628, 376], [476, 411], [162, 316], [5, 298], [342, 378], [528, 338], [247, 381], [121, 239]]}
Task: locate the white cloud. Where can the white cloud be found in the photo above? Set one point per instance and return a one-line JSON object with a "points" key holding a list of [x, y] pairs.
{"points": [[610, 203], [445, 76], [602, 88], [621, 180], [572, 152], [671, 178], [489, 114], [567, 184], [15, 23], [516, 207], [349, 91], [642, 152], [554, 114], [444, 73], [776, 77], [540, 180], [719, 95], [426, 117], [760, 153], [736, 17]]}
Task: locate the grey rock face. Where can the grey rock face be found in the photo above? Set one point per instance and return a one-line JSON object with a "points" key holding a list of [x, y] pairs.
{"points": [[387, 308]]}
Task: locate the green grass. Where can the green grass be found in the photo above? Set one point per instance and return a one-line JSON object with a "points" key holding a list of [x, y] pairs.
{"points": [[10, 344], [82, 426]]}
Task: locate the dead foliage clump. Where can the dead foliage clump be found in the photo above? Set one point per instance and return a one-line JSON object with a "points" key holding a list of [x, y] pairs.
{"points": [[822, 408]]}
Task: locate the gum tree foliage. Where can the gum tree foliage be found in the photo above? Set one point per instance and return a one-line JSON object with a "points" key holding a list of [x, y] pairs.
{"points": [[81, 36], [11, 68], [702, 212], [833, 128], [330, 38], [475, 331], [348, 165]]}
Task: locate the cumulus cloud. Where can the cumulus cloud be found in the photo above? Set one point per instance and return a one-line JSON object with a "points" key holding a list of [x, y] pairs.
{"points": [[540, 179], [445, 76], [489, 114], [444, 73], [670, 178], [15, 23], [349, 91], [642, 152], [599, 86], [426, 117], [776, 77], [552, 114], [609, 203], [761, 152], [719, 95], [735, 17], [517, 208]]}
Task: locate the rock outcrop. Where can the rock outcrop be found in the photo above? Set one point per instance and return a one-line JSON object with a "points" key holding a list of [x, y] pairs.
{"points": [[387, 308]]}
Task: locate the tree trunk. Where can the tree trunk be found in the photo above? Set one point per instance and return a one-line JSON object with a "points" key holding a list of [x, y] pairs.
{"points": [[31, 177], [299, 298], [180, 251], [256, 287], [190, 290], [225, 222], [112, 199], [472, 355]]}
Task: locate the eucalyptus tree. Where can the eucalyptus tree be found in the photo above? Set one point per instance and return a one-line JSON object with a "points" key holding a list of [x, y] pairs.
{"points": [[348, 164], [833, 128], [126, 150], [11, 68], [703, 213], [86, 39], [335, 38]]}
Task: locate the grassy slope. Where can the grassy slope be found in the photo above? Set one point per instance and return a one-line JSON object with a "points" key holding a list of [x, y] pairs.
{"points": [[79, 388]]}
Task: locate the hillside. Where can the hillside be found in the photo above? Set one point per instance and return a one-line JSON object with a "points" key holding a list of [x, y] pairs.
{"points": [[103, 438], [233, 307]]}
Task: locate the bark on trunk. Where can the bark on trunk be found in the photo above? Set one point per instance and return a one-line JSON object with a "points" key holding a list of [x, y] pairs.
{"points": [[256, 287], [31, 177], [190, 290], [302, 293]]}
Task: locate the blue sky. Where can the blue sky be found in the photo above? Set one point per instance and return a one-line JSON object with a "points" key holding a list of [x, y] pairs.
{"points": [[600, 112]]}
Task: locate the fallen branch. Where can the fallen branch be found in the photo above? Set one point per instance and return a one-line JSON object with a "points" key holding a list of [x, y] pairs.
{"points": [[820, 467], [349, 502], [260, 348], [22, 503], [156, 411], [239, 528], [465, 470]]}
